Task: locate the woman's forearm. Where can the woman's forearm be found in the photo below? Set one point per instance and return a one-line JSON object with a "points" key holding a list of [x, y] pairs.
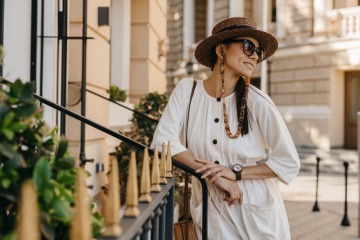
{"points": [[260, 171], [187, 159]]}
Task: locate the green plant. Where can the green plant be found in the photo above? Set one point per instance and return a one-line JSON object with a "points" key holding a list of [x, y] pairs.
{"points": [[30, 149], [142, 130], [117, 94]]}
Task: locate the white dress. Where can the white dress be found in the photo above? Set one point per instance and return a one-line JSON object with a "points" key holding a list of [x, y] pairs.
{"points": [[262, 214]]}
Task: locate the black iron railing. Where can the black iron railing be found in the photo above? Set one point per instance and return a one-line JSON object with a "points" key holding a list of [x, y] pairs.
{"points": [[147, 117], [138, 146]]}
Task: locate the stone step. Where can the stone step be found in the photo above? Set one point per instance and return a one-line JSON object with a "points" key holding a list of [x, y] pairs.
{"points": [[331, 162]]}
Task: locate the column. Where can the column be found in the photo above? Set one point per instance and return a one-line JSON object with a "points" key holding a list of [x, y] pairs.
{"points": [[280, 18], [120, 44], [210, 17], [264, 24], [236, 8], [188, 27], [320, 9]]}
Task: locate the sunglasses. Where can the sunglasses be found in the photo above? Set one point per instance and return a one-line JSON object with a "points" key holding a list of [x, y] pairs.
{"points": [[249, 48]]}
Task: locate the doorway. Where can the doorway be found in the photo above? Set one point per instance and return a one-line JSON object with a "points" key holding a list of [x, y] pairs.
{"points": [[352, 106]]}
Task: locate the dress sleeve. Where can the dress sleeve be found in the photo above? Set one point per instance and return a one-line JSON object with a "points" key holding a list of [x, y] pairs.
{"points": [[171, 122], [283, 158]]}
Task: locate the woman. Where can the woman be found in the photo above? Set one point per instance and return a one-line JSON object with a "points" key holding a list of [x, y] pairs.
{"points": [[231, 125]]}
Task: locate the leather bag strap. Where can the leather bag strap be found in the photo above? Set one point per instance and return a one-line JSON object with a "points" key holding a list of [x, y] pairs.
{"points": [[186, 187]]}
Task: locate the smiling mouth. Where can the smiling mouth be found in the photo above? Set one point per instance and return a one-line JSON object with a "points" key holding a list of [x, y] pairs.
{"points": [[249, 65]]}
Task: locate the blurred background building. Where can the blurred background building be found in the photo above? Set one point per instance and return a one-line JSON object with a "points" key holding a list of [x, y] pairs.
{"points": [[313, 78], [147, 45], [125, 47]]}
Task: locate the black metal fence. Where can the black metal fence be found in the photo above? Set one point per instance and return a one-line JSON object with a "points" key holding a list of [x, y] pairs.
{"points": [[157, 217]]}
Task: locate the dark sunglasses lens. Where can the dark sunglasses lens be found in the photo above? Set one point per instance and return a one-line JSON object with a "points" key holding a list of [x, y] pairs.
{"points": [[260, 53], [249, 48]]}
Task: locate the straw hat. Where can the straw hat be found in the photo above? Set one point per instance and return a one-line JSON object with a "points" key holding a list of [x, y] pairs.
{"points": [[232, 28]]}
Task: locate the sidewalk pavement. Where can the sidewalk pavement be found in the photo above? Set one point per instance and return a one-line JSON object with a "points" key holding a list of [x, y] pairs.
{"points": [[299, 199]]}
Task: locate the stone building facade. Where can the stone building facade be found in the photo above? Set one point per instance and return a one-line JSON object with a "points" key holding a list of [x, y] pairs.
{"points": [[126, 48], [313, 78]]}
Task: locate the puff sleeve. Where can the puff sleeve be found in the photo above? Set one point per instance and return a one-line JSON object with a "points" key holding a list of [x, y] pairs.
{"points": [[283, 158], [170, 126]]}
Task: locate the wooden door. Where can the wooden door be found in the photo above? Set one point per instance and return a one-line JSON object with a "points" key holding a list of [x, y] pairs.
{"points": [[352, 106]]}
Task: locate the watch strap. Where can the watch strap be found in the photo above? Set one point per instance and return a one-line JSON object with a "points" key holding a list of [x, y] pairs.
{"points": [[238, 174]]}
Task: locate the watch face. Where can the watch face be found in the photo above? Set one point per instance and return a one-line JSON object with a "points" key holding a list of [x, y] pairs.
{"points": [[237, 167]]}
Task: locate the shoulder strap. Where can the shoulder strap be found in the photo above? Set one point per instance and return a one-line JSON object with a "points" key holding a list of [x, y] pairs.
{"points": [[186, 187], [188, 112]]}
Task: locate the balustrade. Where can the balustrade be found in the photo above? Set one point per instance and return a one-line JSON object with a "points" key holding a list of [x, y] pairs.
{"points": [[344, 22]]}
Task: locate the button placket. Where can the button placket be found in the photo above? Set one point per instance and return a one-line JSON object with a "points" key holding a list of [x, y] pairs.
{"points": [[216, 130]]}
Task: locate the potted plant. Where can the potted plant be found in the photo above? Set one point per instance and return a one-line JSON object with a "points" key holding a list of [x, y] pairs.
{"points": [[117, 94], [31, 150], [119, 117]]}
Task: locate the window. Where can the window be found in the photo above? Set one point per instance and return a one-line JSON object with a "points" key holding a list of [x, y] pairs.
{"points": [[273, 10], [200, 20]]}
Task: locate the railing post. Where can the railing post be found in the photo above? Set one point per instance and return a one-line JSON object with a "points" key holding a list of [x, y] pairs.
{"points": [[345, 221], [112, 204], [155, 222], [163, 222], [169, 230], [132, 192], [146, 229], [28, 224], [316, 206], [81, 227]]}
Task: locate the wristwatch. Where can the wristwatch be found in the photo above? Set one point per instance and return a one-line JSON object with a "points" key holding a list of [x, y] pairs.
{"points": [[237, 169]]}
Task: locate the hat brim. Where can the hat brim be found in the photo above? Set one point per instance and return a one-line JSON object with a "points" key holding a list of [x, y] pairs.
{"points": [[205, 52]]}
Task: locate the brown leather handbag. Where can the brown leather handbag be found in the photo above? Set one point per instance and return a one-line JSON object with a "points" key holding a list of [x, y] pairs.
{"points": [[185, 230]]}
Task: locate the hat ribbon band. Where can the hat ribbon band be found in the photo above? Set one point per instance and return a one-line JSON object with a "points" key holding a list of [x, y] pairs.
{"points": [[233, 28]]}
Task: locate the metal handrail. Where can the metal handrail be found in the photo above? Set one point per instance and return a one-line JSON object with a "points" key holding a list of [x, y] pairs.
{"points": [[119, 104], [134, 144]]}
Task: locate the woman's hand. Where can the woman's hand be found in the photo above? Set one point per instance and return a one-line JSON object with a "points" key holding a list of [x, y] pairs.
{"points": [[214, 171], [231, 189]]}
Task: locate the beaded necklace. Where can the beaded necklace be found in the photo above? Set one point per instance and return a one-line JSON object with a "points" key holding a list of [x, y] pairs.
{"points": [[242, 107]]}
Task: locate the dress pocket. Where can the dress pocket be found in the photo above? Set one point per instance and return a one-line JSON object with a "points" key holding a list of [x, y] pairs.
{"points": [[261, 220]]}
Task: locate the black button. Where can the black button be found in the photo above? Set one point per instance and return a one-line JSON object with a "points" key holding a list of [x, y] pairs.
{"points": [[217, 162], [216, 120], [218, 99], [214, 141]]}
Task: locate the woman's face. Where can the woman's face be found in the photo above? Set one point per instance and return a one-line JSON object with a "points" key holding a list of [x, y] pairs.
{"points": [[236, 61]]}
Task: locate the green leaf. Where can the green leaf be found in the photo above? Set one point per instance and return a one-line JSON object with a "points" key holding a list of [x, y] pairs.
{"points": [[48, 195], [65, 163], [61, 209], [61, 149], [27, 93], [7, 119], [42, 174], [25, 110], [5, 183], [16, 88], [67, 178], [97, 225], [6, 150], [8, 134], [17, 126]]}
